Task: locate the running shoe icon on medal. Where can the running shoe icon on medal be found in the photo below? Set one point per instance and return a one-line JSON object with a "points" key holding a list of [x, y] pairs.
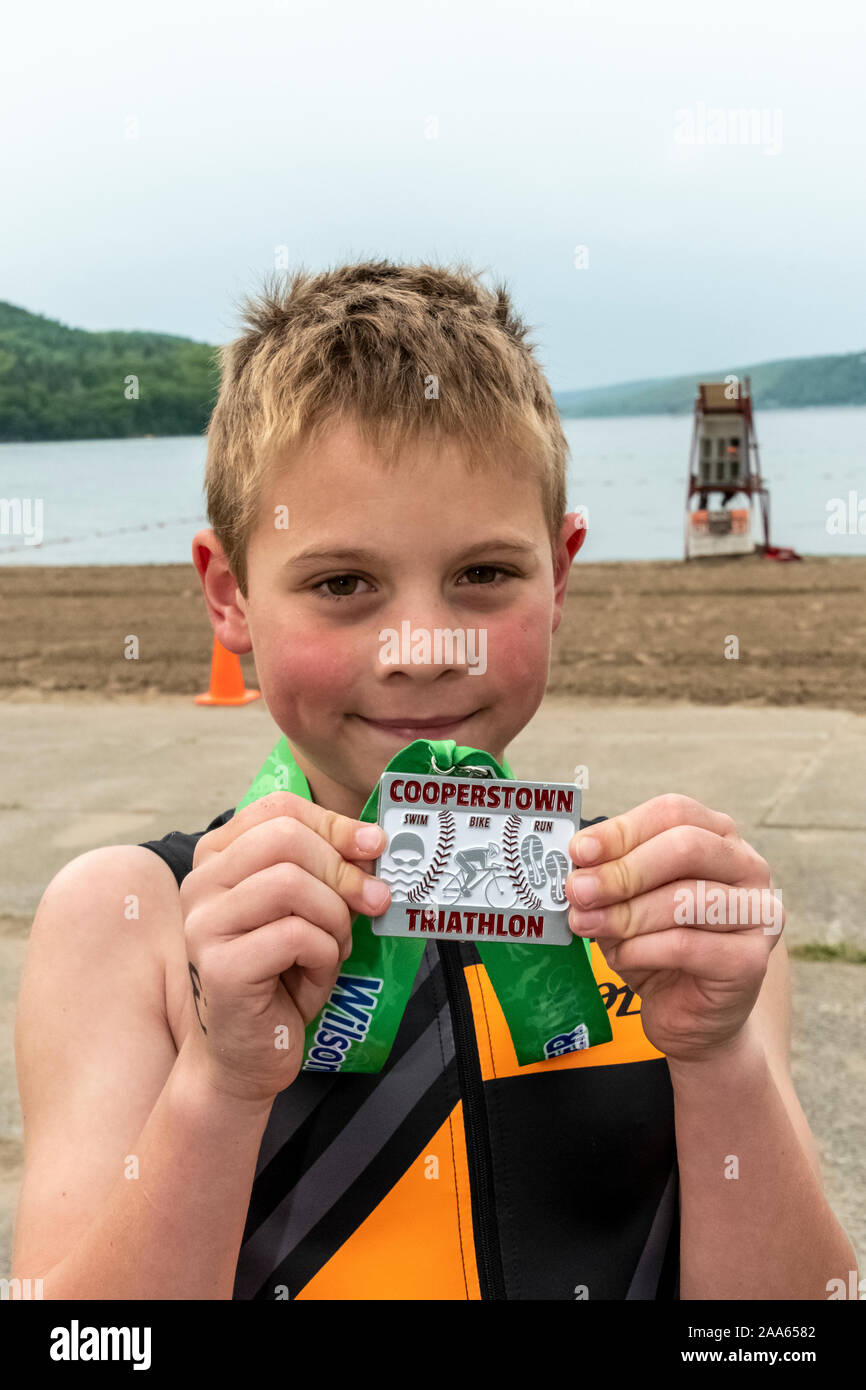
{"points": [[541, 866], [476, 859]]}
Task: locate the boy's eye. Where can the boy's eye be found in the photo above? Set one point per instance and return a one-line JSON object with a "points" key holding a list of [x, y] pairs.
{"points": [[339, 581], [475, 570]]}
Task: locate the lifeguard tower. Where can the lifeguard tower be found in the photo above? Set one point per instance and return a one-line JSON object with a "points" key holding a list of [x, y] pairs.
{"points": [[724, 474]]}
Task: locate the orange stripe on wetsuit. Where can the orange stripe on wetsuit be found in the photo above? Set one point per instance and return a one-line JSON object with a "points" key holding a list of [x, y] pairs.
{"points": [[418, 1242]]}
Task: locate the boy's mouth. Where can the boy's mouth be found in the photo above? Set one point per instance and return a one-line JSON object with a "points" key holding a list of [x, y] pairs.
{"points": [[443, 726]]}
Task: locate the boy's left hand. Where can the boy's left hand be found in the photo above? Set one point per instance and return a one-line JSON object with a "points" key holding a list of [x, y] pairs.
{"points": [[698, 982]]}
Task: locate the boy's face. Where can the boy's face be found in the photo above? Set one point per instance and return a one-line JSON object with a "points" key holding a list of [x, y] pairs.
{"points": [[345, 643]]}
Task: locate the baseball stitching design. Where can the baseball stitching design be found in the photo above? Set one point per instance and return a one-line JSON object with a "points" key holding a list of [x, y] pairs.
{"points": [[515, 868], [442, 853]]}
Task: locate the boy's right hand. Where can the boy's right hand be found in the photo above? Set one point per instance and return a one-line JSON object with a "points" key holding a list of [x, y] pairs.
{"points": [[268, 910]]}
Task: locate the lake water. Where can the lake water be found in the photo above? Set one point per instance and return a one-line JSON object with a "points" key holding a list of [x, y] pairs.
{"points": [[139, 501]]}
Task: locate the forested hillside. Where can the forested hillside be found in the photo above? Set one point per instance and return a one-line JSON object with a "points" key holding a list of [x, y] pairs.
{"points": [[65, 383], [790, 384]]}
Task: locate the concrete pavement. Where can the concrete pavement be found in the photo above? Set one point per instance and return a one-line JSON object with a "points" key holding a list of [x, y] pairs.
{"points": [[82, 774]]}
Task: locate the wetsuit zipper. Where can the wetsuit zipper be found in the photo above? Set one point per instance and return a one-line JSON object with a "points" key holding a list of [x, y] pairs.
{"points": [[488, 1254]]}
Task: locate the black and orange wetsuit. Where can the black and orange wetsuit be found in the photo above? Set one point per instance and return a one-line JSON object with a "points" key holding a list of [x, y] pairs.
{"points": [[454, 1173]]}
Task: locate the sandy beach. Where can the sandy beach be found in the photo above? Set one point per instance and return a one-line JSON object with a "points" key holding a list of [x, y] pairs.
{"points": [[647, 631]]}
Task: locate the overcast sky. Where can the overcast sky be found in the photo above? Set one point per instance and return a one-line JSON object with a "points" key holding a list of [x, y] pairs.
{"points": [[156, 155]]}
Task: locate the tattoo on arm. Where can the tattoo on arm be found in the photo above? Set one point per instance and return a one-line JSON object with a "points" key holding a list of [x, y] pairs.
{"points": [[197, 993]]}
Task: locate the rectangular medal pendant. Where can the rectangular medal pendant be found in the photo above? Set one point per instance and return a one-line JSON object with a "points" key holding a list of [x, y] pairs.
{"points": [[476, 859]]}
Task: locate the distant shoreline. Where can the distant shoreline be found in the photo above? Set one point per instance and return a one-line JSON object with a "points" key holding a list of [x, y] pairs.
{"points": [[679, 413]]}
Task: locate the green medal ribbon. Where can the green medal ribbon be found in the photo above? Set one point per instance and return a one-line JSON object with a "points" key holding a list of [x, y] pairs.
{"points": [[548, 994]]}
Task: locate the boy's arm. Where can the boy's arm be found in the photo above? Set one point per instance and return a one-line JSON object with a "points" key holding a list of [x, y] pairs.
{"points": [[772, 1016], [138, 1171]]}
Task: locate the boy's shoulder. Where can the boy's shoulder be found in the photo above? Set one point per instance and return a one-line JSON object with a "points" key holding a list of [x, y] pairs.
{"points": [[177, 848], [119, 884], [171, 857], [117, 908]]}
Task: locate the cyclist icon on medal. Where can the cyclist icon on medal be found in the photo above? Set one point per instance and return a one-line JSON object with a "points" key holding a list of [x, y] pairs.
{"points": [[476, 865]]}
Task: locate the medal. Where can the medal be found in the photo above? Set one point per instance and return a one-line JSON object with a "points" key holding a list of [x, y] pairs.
{"points": [[476, 857]]}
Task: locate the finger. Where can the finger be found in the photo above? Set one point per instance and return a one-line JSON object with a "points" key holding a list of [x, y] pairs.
{"points": [[280, 890], [339, 831], [710, 906], [308, 996], [269, 951], [611, 839], [711, 955], [685, 851], [287, 840]]}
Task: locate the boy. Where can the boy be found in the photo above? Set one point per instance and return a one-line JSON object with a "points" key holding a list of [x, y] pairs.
{"points": [[385, 447]]}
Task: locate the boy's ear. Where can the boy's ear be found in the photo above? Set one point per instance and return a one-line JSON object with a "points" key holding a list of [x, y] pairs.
{"points": [[225, 602], [576, 533], [571, 538]]}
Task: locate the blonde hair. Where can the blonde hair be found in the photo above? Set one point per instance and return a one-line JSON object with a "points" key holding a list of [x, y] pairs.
{"points": [[404, 351]]}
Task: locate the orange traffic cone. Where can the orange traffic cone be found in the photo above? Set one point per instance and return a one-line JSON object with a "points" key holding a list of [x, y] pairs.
{"points": [[226, 680]]}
